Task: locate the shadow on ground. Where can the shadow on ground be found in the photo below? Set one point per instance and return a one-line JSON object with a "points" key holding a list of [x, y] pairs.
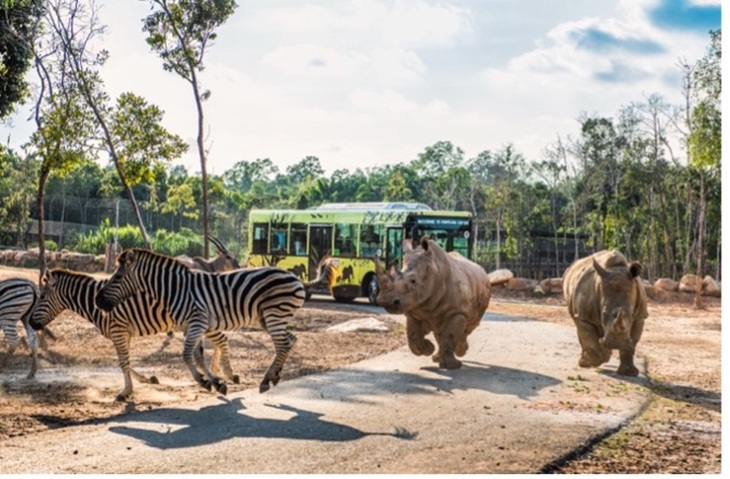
{"points": [[211, 424]]}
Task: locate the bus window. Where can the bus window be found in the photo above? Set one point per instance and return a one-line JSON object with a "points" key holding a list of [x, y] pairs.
{"points": [[260, 238], [370, 240], [345, 235], [298, 244], [278, 240], [394, 248], [461, 243]]}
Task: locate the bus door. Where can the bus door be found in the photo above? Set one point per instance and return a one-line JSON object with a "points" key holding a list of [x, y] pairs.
{"points": [[320, 245], [394, 247]]}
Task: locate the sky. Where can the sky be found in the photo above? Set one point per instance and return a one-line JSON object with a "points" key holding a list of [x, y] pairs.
{"points": [[364, 83]]}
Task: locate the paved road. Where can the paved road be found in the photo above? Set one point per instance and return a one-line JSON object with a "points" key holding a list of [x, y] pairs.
{"points": [[518, 403]]}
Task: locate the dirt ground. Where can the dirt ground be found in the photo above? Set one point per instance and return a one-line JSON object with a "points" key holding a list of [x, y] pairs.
{"points": [[679, 432]]}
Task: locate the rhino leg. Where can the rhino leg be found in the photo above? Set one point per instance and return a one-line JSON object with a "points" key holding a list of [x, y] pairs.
{"points": [[626, 365], [593, 354], [451, 331], [416, 332]]}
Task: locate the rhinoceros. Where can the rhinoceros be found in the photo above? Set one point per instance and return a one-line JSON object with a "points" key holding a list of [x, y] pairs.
{"points": [[607, 301], [438, 292]]}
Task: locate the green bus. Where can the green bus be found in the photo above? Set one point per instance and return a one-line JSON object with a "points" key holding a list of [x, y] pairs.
{"points": [[352, 234]]}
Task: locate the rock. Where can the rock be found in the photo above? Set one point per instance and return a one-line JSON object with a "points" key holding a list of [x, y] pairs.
{"points": [[666, 284], [649, 289], [711, 287], [500, 276], [688, 283], [369, 325], [520, 284], [552, 285]]}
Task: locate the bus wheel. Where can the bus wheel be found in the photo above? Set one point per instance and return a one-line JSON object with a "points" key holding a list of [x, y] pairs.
{"points": [[373, 290]]}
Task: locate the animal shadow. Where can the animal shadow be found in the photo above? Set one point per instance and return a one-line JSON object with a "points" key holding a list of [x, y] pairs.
{"points": [[212, 424]]}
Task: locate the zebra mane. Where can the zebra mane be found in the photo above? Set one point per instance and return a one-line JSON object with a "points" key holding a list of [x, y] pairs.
{"points": [[60, 272], [147, 255]]}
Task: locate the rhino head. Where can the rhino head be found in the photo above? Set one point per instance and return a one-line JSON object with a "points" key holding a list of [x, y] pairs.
{"points": [[402, 291], [618, 287]]}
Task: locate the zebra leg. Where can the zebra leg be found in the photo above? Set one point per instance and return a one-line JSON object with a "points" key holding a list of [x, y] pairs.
{"points": [[42, 335], [33, 345], [283, 342], [194, 336], [144, 379], [121, 338], [221, 353]]}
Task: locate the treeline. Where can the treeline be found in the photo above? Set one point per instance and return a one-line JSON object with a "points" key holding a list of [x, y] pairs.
{"points": [[645, 181]]}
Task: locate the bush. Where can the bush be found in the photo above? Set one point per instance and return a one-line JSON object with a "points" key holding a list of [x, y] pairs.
{"points": [[176, 243], [186, 241]]}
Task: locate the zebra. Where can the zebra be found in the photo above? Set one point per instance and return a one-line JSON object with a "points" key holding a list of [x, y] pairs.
{"points": [[18, 297], [211, 302], [138, 315]]}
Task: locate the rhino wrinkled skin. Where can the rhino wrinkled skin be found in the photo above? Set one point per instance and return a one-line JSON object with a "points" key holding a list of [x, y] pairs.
{"points": [[607, 301], [438, 292]]}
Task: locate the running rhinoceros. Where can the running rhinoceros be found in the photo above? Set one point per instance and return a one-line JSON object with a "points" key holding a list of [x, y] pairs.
{"points": [[439, 292], [606, 298]]}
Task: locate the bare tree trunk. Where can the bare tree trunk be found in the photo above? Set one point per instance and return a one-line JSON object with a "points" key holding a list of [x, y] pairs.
{"points": [[701, 243], [41, 235]]}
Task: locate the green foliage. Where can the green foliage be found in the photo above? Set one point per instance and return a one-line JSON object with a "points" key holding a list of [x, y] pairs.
{"points": [[177, 243], [18, 21]]}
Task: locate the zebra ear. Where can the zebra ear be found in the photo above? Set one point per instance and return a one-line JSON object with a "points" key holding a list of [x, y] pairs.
{"points": [[48, 279]]}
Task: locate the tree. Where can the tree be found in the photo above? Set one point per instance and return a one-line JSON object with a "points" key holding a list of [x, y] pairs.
{"points": [[705, 138], [19, 20], [130, 131], [181, 32]]}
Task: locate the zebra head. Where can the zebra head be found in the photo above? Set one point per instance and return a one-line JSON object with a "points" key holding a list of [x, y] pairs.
{"points": [[125, 282], [50, 303]]}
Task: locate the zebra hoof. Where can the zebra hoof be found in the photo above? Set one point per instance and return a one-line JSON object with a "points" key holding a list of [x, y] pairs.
{"points": [[207, 385], [236, 379], [154, 380], [221, 388], [263, 387], [121, 397]]}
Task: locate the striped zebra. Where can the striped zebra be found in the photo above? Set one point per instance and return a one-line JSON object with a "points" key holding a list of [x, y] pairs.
{"points": [[211, 302], [18, 297], [138, 315]]}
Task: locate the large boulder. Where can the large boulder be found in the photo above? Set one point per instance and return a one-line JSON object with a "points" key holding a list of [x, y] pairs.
{"points": [[651, 291], [689, 283], [552, 285], [666, 284], [521, 284], [711, 287], [500, 276]]}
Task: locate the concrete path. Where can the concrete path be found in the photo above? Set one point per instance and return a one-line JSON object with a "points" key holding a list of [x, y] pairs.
{"points": [[519, 402]]}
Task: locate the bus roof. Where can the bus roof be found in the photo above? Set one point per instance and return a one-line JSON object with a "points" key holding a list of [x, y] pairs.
{"points": [[372, 206], [354, 215]]}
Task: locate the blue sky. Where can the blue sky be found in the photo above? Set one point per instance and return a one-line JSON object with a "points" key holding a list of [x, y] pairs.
{"points": [[361, 83]]}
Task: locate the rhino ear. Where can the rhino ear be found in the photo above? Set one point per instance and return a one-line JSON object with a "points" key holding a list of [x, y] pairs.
{"points": [[599, 269], [635, 269], [424, 242]]}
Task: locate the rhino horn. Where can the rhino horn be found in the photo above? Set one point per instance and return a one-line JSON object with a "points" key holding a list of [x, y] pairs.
{"points": [[379, 270]]}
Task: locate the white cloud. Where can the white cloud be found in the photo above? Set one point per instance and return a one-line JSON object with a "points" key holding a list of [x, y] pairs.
{"points": [[379, 23]]}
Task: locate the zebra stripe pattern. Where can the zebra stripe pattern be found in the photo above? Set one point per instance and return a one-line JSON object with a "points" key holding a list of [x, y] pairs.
{"points": [[211, 302], [138, 315], [18, 297]]}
